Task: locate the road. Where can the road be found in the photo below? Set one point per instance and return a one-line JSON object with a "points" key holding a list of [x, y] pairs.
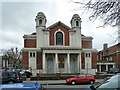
{"points": [[61, 85], [66, 87]]}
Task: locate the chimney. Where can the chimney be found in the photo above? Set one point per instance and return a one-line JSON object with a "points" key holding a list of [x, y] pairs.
{"points": [[105, 46]]}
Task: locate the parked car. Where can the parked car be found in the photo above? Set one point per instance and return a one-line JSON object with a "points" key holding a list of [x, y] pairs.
{"points": [[81, 78], [26, 73], [113, 83], [114, 70], [21, 86], [10, 77]]}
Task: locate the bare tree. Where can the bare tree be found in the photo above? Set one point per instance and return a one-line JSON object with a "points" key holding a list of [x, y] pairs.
{"points": [[14, 57], [107, 10]]}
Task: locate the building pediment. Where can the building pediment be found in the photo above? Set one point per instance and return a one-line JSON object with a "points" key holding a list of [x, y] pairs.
{"points": [[59, 23]]}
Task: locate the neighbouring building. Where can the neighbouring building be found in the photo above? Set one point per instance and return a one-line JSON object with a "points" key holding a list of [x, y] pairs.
{"points": [[58, 48], [108, 58]]}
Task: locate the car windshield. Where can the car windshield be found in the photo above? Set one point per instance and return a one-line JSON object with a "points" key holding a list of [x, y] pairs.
{"points": [[113, 82]]}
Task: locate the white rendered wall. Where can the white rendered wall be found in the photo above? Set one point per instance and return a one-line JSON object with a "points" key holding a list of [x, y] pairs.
{"points": [[40, 36], [88, 61], [46, 38], [32, 64], [76, 38]]}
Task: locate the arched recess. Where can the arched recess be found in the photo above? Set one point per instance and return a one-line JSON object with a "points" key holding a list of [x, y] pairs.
{"points": [[50, 65], [72, 65], [59, 37]]}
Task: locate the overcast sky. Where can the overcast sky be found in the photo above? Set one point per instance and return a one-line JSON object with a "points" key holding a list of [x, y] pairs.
{"points": [[18, 18]]}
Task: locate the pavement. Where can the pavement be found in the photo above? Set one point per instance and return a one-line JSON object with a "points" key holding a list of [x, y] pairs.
{"points": [[55, 82]]}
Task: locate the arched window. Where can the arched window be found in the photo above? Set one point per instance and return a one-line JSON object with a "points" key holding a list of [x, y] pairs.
{"points": [[40, 22], [77, 23], [59, 38]]}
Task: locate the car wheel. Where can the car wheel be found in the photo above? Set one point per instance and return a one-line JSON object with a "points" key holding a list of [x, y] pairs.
{"points": [[91, 82], [73, 82]]}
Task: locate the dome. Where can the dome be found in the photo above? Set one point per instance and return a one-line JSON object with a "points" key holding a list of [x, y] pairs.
{"points": [[75, 16], [40, 14]]}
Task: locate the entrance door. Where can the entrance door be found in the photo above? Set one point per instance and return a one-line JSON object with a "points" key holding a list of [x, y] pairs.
{"points": [[72, 66], [50, 66]]}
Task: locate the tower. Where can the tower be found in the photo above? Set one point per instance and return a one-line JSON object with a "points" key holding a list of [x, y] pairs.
{"points": [[40, 27], [76, 27], [40, 20], [76, 21]]}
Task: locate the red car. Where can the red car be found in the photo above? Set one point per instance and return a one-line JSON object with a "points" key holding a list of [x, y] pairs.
{"points": [[81, 78]]}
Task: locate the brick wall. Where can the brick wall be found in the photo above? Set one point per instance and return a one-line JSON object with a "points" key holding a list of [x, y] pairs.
{"points": [[25, 60], [94, 60], [100, 55], [39, 60], [86, 44], [66, 34], [30, 43], [105, 49], [113, 49], [83, 60], [111, 52]]}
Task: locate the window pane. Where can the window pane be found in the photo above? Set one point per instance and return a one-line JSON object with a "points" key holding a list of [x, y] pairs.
{"points": [[86, 55], [30, 54], [33, 54], [40, 22], [88, 75], [81, 76], [59, 38], [77, 23], [89, 54], [61, 65]]}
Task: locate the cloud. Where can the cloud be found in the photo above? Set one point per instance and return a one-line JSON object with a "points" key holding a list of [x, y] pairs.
{"points": [[18, 18]]}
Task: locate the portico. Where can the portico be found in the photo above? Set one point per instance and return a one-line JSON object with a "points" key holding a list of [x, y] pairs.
{"points": [[105, 66], [63, 60]]}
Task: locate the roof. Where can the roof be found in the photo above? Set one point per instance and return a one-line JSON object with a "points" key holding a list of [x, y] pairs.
{"points": [[59, 23], [111, 47], [33, 33]]}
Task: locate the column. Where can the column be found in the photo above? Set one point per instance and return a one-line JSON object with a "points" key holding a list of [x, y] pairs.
{"points": [[79, 63], [106, 67], [68, 63], [56, 59], [43, 63], [113, 65], [100, 68]]}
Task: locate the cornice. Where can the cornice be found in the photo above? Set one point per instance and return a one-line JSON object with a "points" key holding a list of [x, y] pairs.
{"points": [[87, 38], [29, 36], [60, 48]]}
